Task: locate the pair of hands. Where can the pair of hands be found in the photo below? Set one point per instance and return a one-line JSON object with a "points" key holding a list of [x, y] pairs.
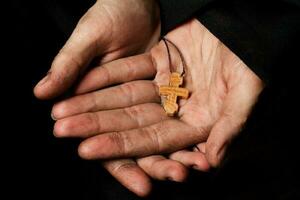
{"points": [[116, 106]]}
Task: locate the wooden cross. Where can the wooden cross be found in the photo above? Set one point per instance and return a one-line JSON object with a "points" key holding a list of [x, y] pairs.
{"points": [[172, 92]]}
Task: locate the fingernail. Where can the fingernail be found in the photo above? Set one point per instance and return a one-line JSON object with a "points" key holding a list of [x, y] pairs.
{"points": [[52, 116], [54, 133], [174, 180], [45, 79], [202, 169], [196, 148], [196, 167], [170, 179]]}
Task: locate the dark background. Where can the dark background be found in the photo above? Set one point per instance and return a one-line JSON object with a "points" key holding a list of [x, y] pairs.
{"points": [[261, 163]]}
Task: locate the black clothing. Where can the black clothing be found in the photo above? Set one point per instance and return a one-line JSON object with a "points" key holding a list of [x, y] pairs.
{"points": [[262, 162], [259, 32]]}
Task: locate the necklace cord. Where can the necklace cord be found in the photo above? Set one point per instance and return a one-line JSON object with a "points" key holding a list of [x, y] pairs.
{"points": [[166, 41]]}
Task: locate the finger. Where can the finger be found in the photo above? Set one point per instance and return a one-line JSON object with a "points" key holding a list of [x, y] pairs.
{"points": [[237, 107], [200, 147], [158, 167], [90, 124], [129, 175], [125, 95], [166, 136], [119, 71], [76, 54], [197, 160], [221, 134]]}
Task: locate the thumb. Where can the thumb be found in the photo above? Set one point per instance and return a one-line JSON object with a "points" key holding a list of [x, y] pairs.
{"points": [[237, 107], [73, 58], [221, 134]]}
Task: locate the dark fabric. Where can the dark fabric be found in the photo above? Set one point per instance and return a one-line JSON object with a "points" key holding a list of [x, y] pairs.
{"points": [[259, 32], [175, 12], [262, 162]]}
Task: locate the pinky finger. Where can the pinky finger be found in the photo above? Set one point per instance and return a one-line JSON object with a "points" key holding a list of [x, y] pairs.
{"points": [[161, 168]]}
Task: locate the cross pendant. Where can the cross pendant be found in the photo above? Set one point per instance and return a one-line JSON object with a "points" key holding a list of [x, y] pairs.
{"points": [[171, 93]]}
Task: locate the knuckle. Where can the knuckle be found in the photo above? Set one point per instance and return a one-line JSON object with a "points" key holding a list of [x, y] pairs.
{"points": [[119, 141], [127, 90], [106, 74], [152, 60], [123, 167], [130, 70], [161, 136], [154, 136], [94, 120], [133, 113], [64, 59], [95, 104], [155, 88]]}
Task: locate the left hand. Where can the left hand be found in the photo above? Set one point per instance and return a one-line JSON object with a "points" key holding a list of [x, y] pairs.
{"points": [[125, 121]]}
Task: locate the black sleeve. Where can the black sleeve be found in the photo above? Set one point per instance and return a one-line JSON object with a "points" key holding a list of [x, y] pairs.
{"points": [[175, 12], [260, 32]]}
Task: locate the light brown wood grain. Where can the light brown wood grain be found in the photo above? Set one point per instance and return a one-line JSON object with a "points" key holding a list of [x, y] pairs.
{"points": [[172, 92]]}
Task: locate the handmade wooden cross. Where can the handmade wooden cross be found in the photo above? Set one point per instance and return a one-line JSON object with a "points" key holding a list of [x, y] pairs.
{"points": [[171, 93]]}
